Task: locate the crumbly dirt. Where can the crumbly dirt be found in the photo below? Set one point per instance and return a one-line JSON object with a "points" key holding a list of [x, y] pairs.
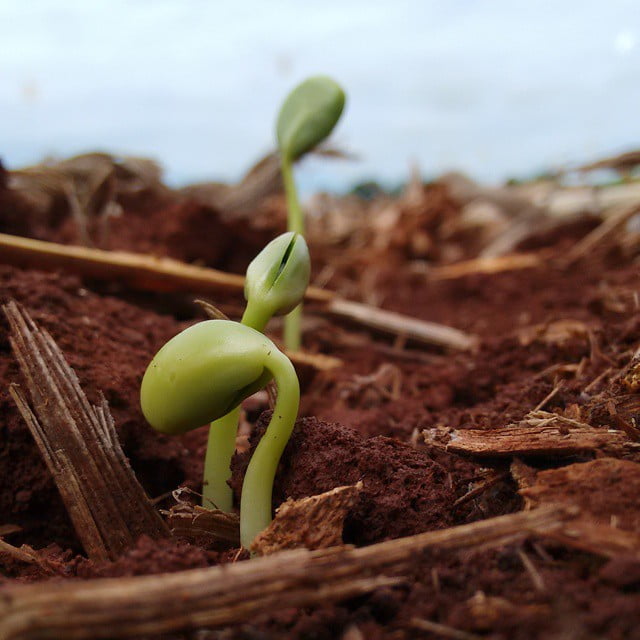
{"points": [[572, 330], [405, 492]]}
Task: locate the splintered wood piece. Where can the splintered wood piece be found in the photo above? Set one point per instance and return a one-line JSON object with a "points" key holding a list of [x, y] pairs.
{"points": [[108, 507], [210, 527], [313, 523], [150, 273], [227, 594], [540, 433]]}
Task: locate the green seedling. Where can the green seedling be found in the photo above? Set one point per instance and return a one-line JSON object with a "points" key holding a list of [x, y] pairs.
{"points": [[206, 371], [277, 278], [275, 283], [307, 117]]}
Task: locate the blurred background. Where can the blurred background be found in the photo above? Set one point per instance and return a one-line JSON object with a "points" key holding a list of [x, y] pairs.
{"points": [[496, 89]]}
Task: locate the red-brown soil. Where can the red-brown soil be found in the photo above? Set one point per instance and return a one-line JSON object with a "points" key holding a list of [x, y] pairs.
{"points": [[360, 422]]}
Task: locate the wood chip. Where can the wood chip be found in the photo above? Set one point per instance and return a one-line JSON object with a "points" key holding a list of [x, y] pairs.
{"points": [[540, 433], [207, 527], [313, 523], [108, 507]]}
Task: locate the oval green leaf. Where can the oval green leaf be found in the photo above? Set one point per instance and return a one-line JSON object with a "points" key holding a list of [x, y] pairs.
{"points": [[308, 115]]}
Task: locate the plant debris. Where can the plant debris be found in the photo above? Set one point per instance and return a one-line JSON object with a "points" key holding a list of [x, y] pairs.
{"points": [[315, 522], [107, 505]]}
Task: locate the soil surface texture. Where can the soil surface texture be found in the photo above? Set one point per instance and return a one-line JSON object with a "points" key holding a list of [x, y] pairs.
{"points": [[556, 339]]}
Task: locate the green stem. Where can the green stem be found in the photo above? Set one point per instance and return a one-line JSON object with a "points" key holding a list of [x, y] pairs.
{"points": [[295, 217], [293, 329], [255, 503], [221, 444], [220, 449], [295, 222], [255, 317]]}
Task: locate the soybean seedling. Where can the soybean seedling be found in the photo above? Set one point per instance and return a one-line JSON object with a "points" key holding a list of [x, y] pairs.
{"points": [[306, 118], [275, 283], [206, 371]]}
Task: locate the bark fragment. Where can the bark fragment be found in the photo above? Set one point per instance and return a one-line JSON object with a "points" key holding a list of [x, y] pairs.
{"points": [[313, 523], [208, 527], [539, 433]]}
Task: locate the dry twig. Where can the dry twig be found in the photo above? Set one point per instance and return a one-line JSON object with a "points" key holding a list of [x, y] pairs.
{"points": [[217, 596], [148, 273], [511, 262], [612, 223], [399, 324]]}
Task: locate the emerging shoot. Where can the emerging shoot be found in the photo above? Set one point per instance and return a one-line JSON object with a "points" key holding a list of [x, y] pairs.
{"points": [[206, 371], [278, 276], [275, 283], [306, 118]]}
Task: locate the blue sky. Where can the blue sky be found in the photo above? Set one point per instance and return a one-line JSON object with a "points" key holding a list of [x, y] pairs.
{"points": [[496, 88]]}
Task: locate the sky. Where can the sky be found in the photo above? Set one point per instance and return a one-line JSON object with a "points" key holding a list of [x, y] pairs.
{"points": [[495, 88]]}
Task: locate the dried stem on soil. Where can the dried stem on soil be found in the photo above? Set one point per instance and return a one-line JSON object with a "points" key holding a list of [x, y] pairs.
{"points": [[396, 323], [612, 223], [150, 273], [108, 507], [600, 539], [487, 266], [142, 272], [127, 607]]}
